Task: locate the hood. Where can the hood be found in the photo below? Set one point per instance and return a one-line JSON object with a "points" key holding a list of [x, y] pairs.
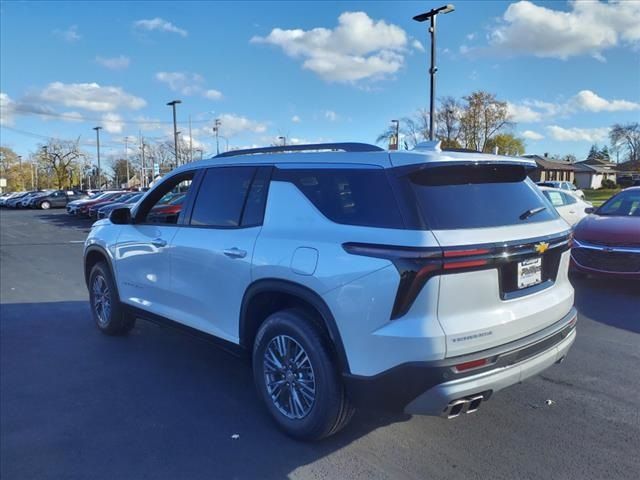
{"points": [[609, 230]]}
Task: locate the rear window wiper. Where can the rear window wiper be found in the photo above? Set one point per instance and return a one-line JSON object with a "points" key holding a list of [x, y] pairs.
{"points": [[531, 212]]}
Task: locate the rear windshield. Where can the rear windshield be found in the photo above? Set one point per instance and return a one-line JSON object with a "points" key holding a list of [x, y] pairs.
{"points": [[477, 196]]}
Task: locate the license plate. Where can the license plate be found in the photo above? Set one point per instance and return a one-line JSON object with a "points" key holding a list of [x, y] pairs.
{"points": [[529, 272]]}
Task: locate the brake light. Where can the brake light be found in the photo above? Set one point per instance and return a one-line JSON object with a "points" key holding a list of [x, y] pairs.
{"points": [[416, 265]]}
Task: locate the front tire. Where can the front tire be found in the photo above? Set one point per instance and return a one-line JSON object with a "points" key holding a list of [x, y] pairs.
{"points": [[45, 205], [107, 311], [297, 378]]}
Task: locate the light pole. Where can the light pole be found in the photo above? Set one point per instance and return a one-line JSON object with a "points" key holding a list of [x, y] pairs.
{"points": [[397, 134], [173, 104], [99, 183], [126, 157], [284, 141], [216, 130], [431, 15]]}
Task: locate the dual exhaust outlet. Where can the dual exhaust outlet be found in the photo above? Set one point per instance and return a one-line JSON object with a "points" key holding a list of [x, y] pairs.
{"points": [[462, 405]]}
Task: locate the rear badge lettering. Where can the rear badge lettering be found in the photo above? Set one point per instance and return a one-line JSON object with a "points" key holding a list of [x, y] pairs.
{"points": [[473, 337]]}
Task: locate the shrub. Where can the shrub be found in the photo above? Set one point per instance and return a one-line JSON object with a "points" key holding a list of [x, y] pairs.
{"points": [[608, 184]]}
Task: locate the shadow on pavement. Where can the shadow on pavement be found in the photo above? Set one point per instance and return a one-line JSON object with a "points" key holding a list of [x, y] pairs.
{"points": [[609, 301], [71, 396], [62, 219]]}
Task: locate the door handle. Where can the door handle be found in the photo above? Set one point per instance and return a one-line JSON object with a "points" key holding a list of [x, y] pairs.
{"points": [[235, 253], [159, 242]]}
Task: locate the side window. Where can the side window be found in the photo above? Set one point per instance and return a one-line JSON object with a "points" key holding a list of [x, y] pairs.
{"points": [[221, 196], [166, 202], [256, 201], [568, 199], [554, 197], [349, 196]]}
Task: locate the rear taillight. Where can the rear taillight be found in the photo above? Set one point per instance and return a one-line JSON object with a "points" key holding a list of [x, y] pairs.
{"points": [[473, 364], [416, 265]]}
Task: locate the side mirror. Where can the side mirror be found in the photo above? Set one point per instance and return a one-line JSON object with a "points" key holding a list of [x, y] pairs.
{"points": [[589, 210], [120, 216]]}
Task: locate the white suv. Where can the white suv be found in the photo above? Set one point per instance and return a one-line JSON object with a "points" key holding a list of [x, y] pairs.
{"points": [[420, 280]]}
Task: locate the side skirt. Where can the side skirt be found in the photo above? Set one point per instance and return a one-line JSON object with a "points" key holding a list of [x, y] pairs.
{"points": [[229, 347]]}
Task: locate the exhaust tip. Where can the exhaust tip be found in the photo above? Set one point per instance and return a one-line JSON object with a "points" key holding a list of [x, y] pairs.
{"points": [[474, 403]]}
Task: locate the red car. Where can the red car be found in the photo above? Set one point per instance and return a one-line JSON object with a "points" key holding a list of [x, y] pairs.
{"points": [[607, 242], [83, 210]]}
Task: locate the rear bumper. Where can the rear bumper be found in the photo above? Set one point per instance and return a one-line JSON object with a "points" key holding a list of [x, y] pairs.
{"points": [[427, 388]]}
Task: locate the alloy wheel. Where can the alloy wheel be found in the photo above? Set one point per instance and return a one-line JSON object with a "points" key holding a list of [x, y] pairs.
{"points": [[101, 300]]}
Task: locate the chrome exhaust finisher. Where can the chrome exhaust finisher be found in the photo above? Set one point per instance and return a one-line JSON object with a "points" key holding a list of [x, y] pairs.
{"points": [[462, 405]]}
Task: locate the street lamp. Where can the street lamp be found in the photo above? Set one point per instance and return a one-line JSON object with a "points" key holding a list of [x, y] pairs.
{"points": [[397, 134], [173, 104], [284, 141], [97, 129], [431, 15]]}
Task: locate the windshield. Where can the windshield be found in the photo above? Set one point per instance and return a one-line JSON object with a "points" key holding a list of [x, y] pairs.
{"points": [[624, 204], [477, 196]]}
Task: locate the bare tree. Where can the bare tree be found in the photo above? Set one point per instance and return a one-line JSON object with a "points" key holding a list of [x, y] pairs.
{"points": [[60, 158], [448, 122], [626, 138], [484, 116]]}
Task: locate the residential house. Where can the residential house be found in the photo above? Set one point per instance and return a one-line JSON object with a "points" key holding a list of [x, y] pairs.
{"points": [[628, 172], [549, 170], [591, 173]]}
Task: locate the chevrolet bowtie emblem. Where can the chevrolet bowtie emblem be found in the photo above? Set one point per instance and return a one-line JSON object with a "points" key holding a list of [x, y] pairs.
{"points": [[542, 247]]}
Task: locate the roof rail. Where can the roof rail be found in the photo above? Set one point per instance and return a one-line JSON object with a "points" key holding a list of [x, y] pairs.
{"points": [[344, 147]]}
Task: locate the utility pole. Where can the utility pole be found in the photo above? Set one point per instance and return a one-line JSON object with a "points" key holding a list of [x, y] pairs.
{"points": [[45, 149], [190, 141], [173, 104], [216, 130], [144, 172], [97, 129], [126, 157], [431, 15]]}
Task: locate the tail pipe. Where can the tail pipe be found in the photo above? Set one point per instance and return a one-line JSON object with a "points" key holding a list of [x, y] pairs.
{"points": [[462, 405]]}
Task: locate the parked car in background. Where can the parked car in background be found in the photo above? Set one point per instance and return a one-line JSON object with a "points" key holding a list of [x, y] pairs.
{"points": [[18, 197], [56, 199], [83, 209], [570, 207], [608, 241], [93, 210], [27, 199], [105, 210], [418, 281], [73, 207], [568, 186]]}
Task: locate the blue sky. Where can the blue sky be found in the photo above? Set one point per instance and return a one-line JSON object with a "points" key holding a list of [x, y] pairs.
{"points": [[313, 71]]}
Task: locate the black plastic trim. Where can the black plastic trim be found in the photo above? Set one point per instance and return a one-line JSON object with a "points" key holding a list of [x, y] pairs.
{"points": [[304, 293], [345, 147]]}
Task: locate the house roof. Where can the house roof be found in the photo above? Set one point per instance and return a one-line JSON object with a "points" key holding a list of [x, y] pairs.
{"points": [[630, 166], [547, 164], [584, 167]]}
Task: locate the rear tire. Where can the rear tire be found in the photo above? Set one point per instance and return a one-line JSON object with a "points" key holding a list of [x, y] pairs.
{"points": [[45, 205], [297, 378], [108, 313]]}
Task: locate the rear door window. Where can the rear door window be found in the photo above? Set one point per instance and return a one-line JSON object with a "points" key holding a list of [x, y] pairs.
{"points": [[221, 197], [477, 196], [358, 196]]}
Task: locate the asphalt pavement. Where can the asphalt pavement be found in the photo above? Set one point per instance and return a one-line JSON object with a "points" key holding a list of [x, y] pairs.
{"points": [[76, 404]]}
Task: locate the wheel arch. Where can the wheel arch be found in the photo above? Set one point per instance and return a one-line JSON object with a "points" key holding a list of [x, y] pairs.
{"points": [[266, 296], [93, 255]]}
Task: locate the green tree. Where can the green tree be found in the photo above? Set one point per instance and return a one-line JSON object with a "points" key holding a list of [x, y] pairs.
{"points": [[507, 143], [483, 117]]}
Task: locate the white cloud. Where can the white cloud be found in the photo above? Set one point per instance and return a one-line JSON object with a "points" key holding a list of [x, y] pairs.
{"points": [[523, 113], [7, 111], [530, 111], [578, 134], [358, 48], [213, 94], [417, 44], [149, 124], [115, 63], [112, 122], [471, 36], [590, 101], [188, 84], [588, 28], [331, 115], [159, 24], [88, 96], [296, 119], [69, 35], [531, 135], [232, 124]]}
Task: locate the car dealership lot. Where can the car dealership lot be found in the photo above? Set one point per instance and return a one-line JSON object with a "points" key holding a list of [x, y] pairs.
{"points": [[159, 404]]}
